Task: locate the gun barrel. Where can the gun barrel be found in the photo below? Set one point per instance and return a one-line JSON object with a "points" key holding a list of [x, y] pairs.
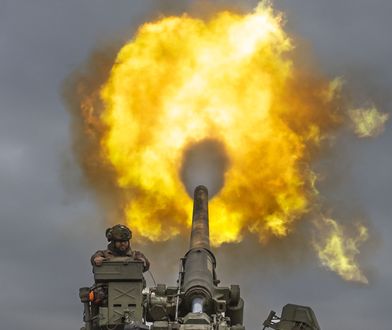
{"points": [[199, 263], [200, 237]]}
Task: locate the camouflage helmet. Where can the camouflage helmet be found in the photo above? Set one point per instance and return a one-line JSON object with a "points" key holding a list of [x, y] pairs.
{"points": [[118, 233]]}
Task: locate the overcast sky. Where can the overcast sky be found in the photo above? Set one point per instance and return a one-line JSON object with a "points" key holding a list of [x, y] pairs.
{"points": [[50, 224]]}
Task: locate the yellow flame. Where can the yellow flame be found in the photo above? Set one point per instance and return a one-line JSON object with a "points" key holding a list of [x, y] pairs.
{"points": [[335, 86], [337, 251], [368, 122], [182, 80]]}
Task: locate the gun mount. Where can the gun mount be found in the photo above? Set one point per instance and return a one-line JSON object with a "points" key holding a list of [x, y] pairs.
{"points": [[118, 300], [199, 302]]}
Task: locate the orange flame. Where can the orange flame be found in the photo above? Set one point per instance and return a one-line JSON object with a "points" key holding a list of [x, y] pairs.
{"points": [[182, 80]]}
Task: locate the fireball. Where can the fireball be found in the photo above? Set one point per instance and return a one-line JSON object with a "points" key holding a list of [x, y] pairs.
{"points": [[232, 81]]}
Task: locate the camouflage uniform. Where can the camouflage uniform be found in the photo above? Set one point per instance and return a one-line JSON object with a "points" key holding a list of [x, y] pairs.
{"points": [[116, 233], [110, 252]]}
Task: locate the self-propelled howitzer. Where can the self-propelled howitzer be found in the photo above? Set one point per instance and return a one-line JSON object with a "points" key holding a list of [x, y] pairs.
{"points": [[199, 302], [118, 299]]}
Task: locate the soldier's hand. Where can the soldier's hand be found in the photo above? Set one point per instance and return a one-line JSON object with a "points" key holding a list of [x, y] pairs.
{"points": [[138, 256], [98, 260]]}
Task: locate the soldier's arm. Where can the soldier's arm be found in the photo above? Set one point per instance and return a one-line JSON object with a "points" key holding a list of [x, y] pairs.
{"points": [[140, 256], [99, 255]]}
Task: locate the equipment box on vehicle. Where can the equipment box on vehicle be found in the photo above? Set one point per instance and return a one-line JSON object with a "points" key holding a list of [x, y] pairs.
{"points": [[120, 269]]}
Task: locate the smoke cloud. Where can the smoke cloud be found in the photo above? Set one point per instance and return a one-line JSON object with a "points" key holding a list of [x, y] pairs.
{"points": [[205, 163], [81, 95]]}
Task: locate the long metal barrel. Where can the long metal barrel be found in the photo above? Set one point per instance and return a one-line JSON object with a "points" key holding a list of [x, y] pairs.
{"points": [[199, 264], [200, 236]]}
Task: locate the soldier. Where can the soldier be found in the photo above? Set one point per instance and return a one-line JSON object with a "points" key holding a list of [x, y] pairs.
{"points": [[119, 246]]}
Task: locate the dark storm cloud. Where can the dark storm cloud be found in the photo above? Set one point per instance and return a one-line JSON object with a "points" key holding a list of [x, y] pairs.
{"points": [[48, 232]]}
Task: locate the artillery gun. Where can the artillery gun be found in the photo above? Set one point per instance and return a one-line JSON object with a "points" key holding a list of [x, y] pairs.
{"points": [[196, 303]]}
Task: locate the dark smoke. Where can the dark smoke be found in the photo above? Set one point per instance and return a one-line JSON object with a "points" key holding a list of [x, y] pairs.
{"points": [[81, 95], [204, 163]]}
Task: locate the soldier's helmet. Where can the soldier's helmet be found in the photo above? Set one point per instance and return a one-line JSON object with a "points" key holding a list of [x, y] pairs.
{"points": [[118, 233]]}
